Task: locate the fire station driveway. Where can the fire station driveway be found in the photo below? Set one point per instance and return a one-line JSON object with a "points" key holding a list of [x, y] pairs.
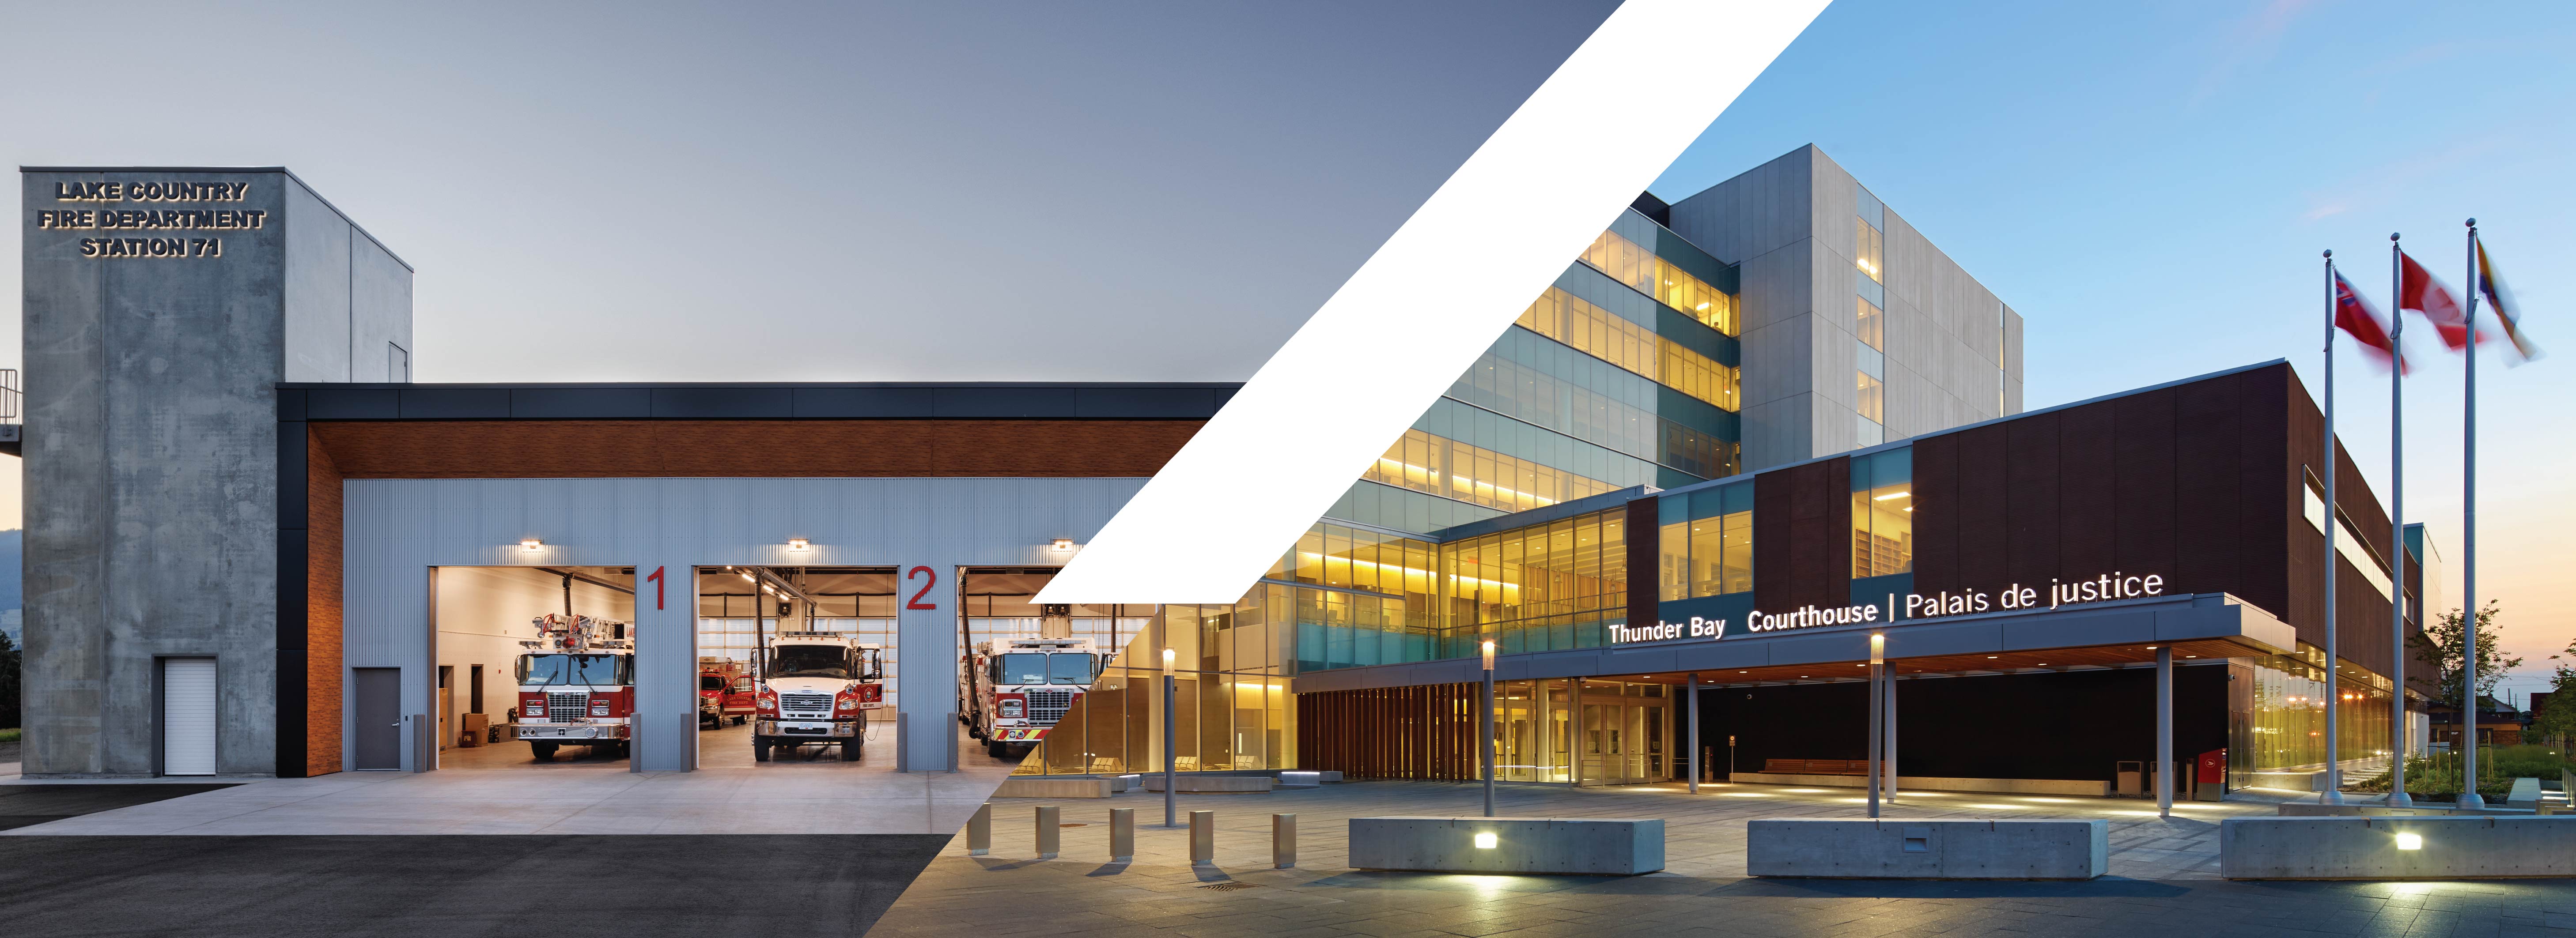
{"points": [[581, 796]]}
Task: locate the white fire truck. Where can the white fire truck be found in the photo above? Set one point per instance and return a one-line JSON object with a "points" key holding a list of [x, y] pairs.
{"points": [[577, 686], [817, 687], [1011, 692]]}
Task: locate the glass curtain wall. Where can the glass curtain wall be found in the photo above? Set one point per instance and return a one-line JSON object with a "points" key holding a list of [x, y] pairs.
{"points": [[2285, 723], [1706, 542], [1623, 732], [1882, 514], [1230, 710]]}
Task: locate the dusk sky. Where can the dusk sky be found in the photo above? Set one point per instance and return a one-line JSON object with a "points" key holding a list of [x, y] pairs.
{"points": [[1134, 192]]}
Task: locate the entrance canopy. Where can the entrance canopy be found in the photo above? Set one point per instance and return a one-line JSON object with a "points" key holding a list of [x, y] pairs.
{"points": [[2103, 635]]}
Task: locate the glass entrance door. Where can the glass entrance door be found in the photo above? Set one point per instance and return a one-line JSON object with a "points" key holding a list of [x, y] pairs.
{"points": [[1626, 740]]}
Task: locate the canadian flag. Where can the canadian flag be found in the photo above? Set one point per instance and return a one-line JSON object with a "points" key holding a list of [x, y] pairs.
{"points": [[2418, 291], [2354, 315]]}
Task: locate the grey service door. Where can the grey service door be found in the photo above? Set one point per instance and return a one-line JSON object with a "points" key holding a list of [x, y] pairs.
{"points": [[379, 716]]}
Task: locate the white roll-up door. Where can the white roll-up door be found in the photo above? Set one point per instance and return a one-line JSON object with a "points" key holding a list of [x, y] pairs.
{"points": [[188, 716]]}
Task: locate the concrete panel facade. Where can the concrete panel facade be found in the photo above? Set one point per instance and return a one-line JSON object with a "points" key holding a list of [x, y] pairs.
{"points": [[1952, 348], [156, 330], [397, 530]]}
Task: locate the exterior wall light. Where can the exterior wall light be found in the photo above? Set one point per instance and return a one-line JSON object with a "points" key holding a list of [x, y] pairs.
{"points": [[2410, 841], [1486, 840], [1063, 545], [798, 543], [531, 545]]}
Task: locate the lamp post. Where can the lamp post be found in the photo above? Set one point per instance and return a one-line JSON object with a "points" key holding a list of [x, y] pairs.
{"points": [[1877, 711], [1488, 746], [1171, 745]]}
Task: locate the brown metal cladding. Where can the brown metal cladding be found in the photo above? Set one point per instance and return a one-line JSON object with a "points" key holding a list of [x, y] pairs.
{"points": [[1645, 559], [2031, 508], [1802, 541], [1985, 484], [1936, 514], [2143, 438], [2207, 476], [2088, 503]]}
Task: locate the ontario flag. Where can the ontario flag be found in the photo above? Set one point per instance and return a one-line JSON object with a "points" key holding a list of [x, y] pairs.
{"points": [[2418, 291], [2354, 316]]}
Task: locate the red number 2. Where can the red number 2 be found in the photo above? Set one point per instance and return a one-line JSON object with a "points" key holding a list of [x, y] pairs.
{"points": [[657, 587], [916, 602]]}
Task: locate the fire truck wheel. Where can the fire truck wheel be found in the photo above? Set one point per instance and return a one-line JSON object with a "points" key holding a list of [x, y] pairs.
{"points": [[995, 749], [849, 752], [738, 721], [545, 752], [759, 750]]}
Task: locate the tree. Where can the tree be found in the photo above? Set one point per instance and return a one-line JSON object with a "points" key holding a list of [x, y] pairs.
{"points": [[2557, 718], [2441, 644], [8, 682]]}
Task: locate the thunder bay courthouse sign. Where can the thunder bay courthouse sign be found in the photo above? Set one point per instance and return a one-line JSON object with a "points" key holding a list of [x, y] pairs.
{"points": [[2109, 587]]}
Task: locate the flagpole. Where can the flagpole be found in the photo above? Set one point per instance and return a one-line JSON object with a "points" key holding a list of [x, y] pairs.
{"points": [[2469, 539], [2397, 516], [2333, 793]]}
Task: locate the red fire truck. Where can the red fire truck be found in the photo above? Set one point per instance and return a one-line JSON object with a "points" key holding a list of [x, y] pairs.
{"points": [[725, 693], [577, 686]]}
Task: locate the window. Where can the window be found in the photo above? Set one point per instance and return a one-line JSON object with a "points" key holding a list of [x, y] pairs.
{"points": [[1605, 335], [1869, 246], [2353, 549], [1870, 323], [1633, 264], [1872, 402], [1450, 469], [1882, 487], [1707, 542]]}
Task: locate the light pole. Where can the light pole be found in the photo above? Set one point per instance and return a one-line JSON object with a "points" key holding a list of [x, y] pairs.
{"points": [[1171, 746], [1489, 728], [1877, 711]]}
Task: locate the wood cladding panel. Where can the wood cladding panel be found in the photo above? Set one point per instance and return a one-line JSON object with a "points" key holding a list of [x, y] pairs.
{"points": [[529, 449], [1424, 731], [322, 611], [2205, 487]]}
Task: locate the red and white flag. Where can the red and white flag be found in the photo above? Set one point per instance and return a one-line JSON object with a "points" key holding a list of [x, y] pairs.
{"points": [[2418, 291], [2354, 316]]}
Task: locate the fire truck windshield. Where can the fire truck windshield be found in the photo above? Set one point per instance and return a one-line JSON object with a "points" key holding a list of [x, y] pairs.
{"points": [[711, 682], [825, 661], [612, 670], [1030, 667]]}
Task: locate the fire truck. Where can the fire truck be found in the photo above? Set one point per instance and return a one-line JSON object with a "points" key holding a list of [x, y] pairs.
{"points": [[577, 686], [1011, 692], [816, 687], [724, 693]]}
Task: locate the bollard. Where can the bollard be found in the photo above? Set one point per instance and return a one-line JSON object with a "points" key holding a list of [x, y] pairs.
{"points": [[979, 831], [1122, 835], [1283, 841], [1050, 831], [1202, 838]]}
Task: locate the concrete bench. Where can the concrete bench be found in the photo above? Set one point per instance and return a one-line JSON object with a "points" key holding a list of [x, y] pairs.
{"points": [[1119, 784], [1043, 787], [2525, 794], [1215, 784], [1928, 849], [1577, 846], [2460, 847]]}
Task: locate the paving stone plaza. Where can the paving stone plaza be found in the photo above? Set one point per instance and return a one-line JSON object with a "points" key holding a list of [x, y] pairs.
{"points": [[2164, 878]]}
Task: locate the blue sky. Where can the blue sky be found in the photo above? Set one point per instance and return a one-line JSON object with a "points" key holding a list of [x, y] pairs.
{"points": [[2152, 185], [1128, 190]]}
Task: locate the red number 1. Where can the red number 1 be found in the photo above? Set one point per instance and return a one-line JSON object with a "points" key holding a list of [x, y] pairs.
{"points": [[657, 587], [916, 602]]}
